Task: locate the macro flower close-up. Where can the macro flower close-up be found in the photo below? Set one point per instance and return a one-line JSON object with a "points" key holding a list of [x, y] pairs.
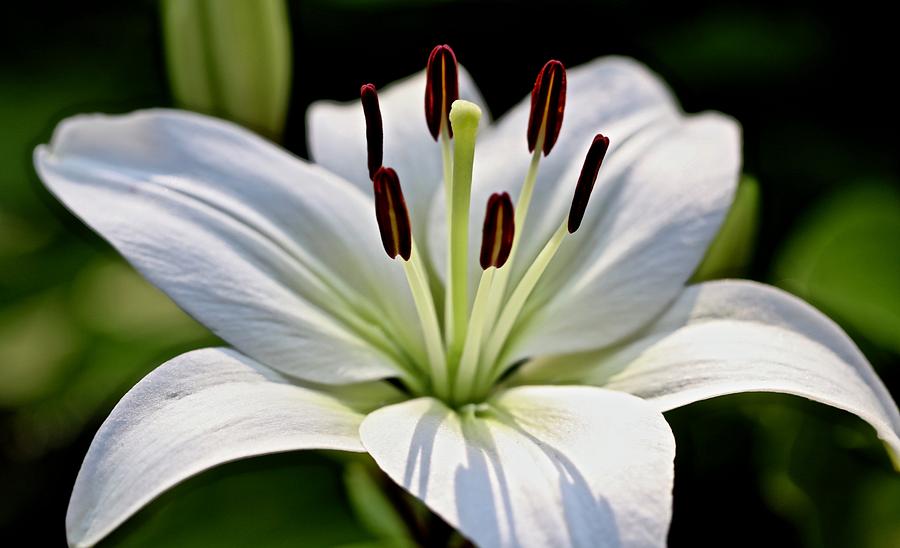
{"points": [[489, 324], [281, 258]]}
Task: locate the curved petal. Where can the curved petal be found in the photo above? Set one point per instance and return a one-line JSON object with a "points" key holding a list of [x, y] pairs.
{"points": [[651, 220], [613, 95], [737, 336], [661, 196], [337, 140], [538, 466], [199, 410], [261, 247]]}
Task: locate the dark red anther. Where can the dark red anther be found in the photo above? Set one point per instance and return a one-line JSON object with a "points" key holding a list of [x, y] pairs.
{"points": [[374, 131], [441, 89], [498, 232], [391, 213], [586, 180], [548, 101]]}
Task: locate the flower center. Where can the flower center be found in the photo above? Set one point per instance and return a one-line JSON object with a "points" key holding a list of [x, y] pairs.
{"points": [[466, 348]]}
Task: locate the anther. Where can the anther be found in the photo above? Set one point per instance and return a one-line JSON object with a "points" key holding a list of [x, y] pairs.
{"points": [[498, 231], [391, 213], [374, 130], [586, 180], [441, 89], [548, 101]]}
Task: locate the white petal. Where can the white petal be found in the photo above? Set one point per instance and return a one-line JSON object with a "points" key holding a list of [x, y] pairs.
{"points": [[231, 227], [613, 95], [199, 410], [737, 336], [651, 219], [661, 196], [544, 466], [337, 140]]}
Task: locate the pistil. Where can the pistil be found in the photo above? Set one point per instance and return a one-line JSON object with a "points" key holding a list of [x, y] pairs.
{"points": [[464, 118], [466, 358]]}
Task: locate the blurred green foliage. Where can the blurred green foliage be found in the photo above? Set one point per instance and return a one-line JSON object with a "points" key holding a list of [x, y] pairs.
{"points": [[731, 251], [844, 257], [373, 506], [289, 500], [231, 59]]}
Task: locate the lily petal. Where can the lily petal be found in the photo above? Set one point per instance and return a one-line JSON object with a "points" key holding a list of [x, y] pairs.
{"points": [[737, 336], [336, 133], [253, 242], [539, 466], [659, 200], [199, 410], [655, 212], [613, 95]]}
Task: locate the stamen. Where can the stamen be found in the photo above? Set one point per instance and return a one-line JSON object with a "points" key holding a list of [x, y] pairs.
{"points": [[497, 233], [529, 280], [374, 131], [392, 215], [396, 236], [495, 245], [586, 180], [515, 304], [464, 117], [441, 89], [548, 101]]}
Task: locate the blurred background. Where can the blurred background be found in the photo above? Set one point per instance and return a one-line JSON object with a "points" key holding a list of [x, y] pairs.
{"points": [[818, 214]]}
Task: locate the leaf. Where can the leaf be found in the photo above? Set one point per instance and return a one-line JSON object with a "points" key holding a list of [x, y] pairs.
{"points": [[290, 499], [730, 253], [844, 258], [370, 503]]}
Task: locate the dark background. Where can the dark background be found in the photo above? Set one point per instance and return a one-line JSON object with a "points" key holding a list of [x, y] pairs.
{"points": [[813, 85]]}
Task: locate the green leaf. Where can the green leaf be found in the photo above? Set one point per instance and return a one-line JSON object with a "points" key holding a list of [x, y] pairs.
{"points": [[844, 258], [290, 499], [372, 506], [730, 253], [230, 58]]}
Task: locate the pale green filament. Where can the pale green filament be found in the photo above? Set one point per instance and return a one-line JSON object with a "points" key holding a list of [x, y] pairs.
{"points": [[468, 364], [517, 301], [522, 205], [464, 117], [447, 156], [418, 284]]}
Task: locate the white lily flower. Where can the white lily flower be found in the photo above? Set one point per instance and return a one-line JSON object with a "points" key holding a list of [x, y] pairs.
{"points": [[532, 418]]}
